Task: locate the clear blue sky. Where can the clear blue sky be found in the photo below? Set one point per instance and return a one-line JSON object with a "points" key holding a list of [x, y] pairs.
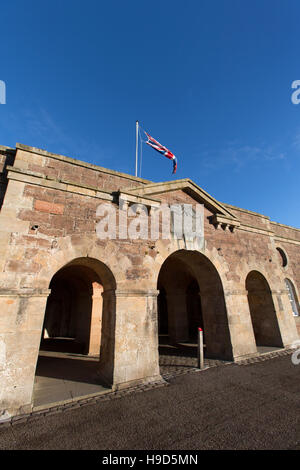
{"points": [[211, 80]]}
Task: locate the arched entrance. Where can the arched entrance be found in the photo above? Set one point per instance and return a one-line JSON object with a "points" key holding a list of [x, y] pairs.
{"points": [[77, 340], [262, 311], [191, 296], [74, 312]]}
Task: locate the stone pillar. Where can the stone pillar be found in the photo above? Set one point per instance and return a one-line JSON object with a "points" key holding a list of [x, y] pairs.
{"points": [[177, 316], [129, 344], [240, 325], [285, 318], [21, 321], [297, 324], [108, 335], [96, 320]]}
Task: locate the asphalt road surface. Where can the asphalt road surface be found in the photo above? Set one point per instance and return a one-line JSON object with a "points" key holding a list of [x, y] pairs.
{"points": [[252, 406]]}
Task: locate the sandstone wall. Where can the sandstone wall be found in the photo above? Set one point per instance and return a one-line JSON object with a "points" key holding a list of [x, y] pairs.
{"points": [[49, 219]]}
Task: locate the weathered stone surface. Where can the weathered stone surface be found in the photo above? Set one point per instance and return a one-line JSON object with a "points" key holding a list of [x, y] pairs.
{"points": [[48, 240], [51, 208]]}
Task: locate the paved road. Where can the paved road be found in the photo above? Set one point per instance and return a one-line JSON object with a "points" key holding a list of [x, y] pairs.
{"points": [[252, 406]]}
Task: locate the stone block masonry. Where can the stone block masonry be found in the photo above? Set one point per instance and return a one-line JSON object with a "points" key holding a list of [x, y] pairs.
{"points": [[118, 299]]}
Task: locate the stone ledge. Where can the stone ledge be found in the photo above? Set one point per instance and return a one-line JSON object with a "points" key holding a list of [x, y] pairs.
{"points": [[225, 222], [4, 148], [245, 210], [235, 292], [38, 179], [26, 292], [76, 162], [270, 233], [279, 238], [133, 198], [284, 226], [189, 187], [252, 228], [136, 293]]}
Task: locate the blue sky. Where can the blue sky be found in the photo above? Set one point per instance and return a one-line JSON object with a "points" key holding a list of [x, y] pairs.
{"points": [[211, 80]]}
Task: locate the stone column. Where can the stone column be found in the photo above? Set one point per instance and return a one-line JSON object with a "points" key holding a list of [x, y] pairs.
{"points": [[21, 322], [96, 320], [177, 316], [108, 335], [240, 325], [285, 318], [129, 344]]}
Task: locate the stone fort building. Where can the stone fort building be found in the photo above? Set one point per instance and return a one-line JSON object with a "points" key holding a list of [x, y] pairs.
{"points": [[113, 298]]}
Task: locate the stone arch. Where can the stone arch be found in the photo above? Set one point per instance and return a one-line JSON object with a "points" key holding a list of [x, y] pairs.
{"points": [[74, 303], [187, 272], [262, 311], [83, 294], [89, 250], [68, 311]]}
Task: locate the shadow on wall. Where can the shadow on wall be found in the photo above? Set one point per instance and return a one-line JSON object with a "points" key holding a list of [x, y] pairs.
{"points": [[262, 311]]}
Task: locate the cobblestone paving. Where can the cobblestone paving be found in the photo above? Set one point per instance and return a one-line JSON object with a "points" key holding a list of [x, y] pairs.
{"points": [[265, 357], [170, 366], [174, 365]]}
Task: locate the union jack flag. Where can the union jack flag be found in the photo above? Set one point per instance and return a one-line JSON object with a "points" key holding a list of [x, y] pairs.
{"points": [[163, 150]]}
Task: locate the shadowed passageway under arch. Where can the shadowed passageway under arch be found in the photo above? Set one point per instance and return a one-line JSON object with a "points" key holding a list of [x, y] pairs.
{"points": [[77, 340], [191, 296]]}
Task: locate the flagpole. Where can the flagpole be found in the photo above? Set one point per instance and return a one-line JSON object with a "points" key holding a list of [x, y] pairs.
{"points": [[136, 147]]}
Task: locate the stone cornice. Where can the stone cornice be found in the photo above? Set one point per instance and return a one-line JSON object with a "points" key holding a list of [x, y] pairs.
{"points": [[223, 221], [146, 201], [268, 233], [38, 179], [245, 211], [189, 187], [286, 240], [74, 161], [252, 228], [5, 149], [147, 189], [285, 226]]}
